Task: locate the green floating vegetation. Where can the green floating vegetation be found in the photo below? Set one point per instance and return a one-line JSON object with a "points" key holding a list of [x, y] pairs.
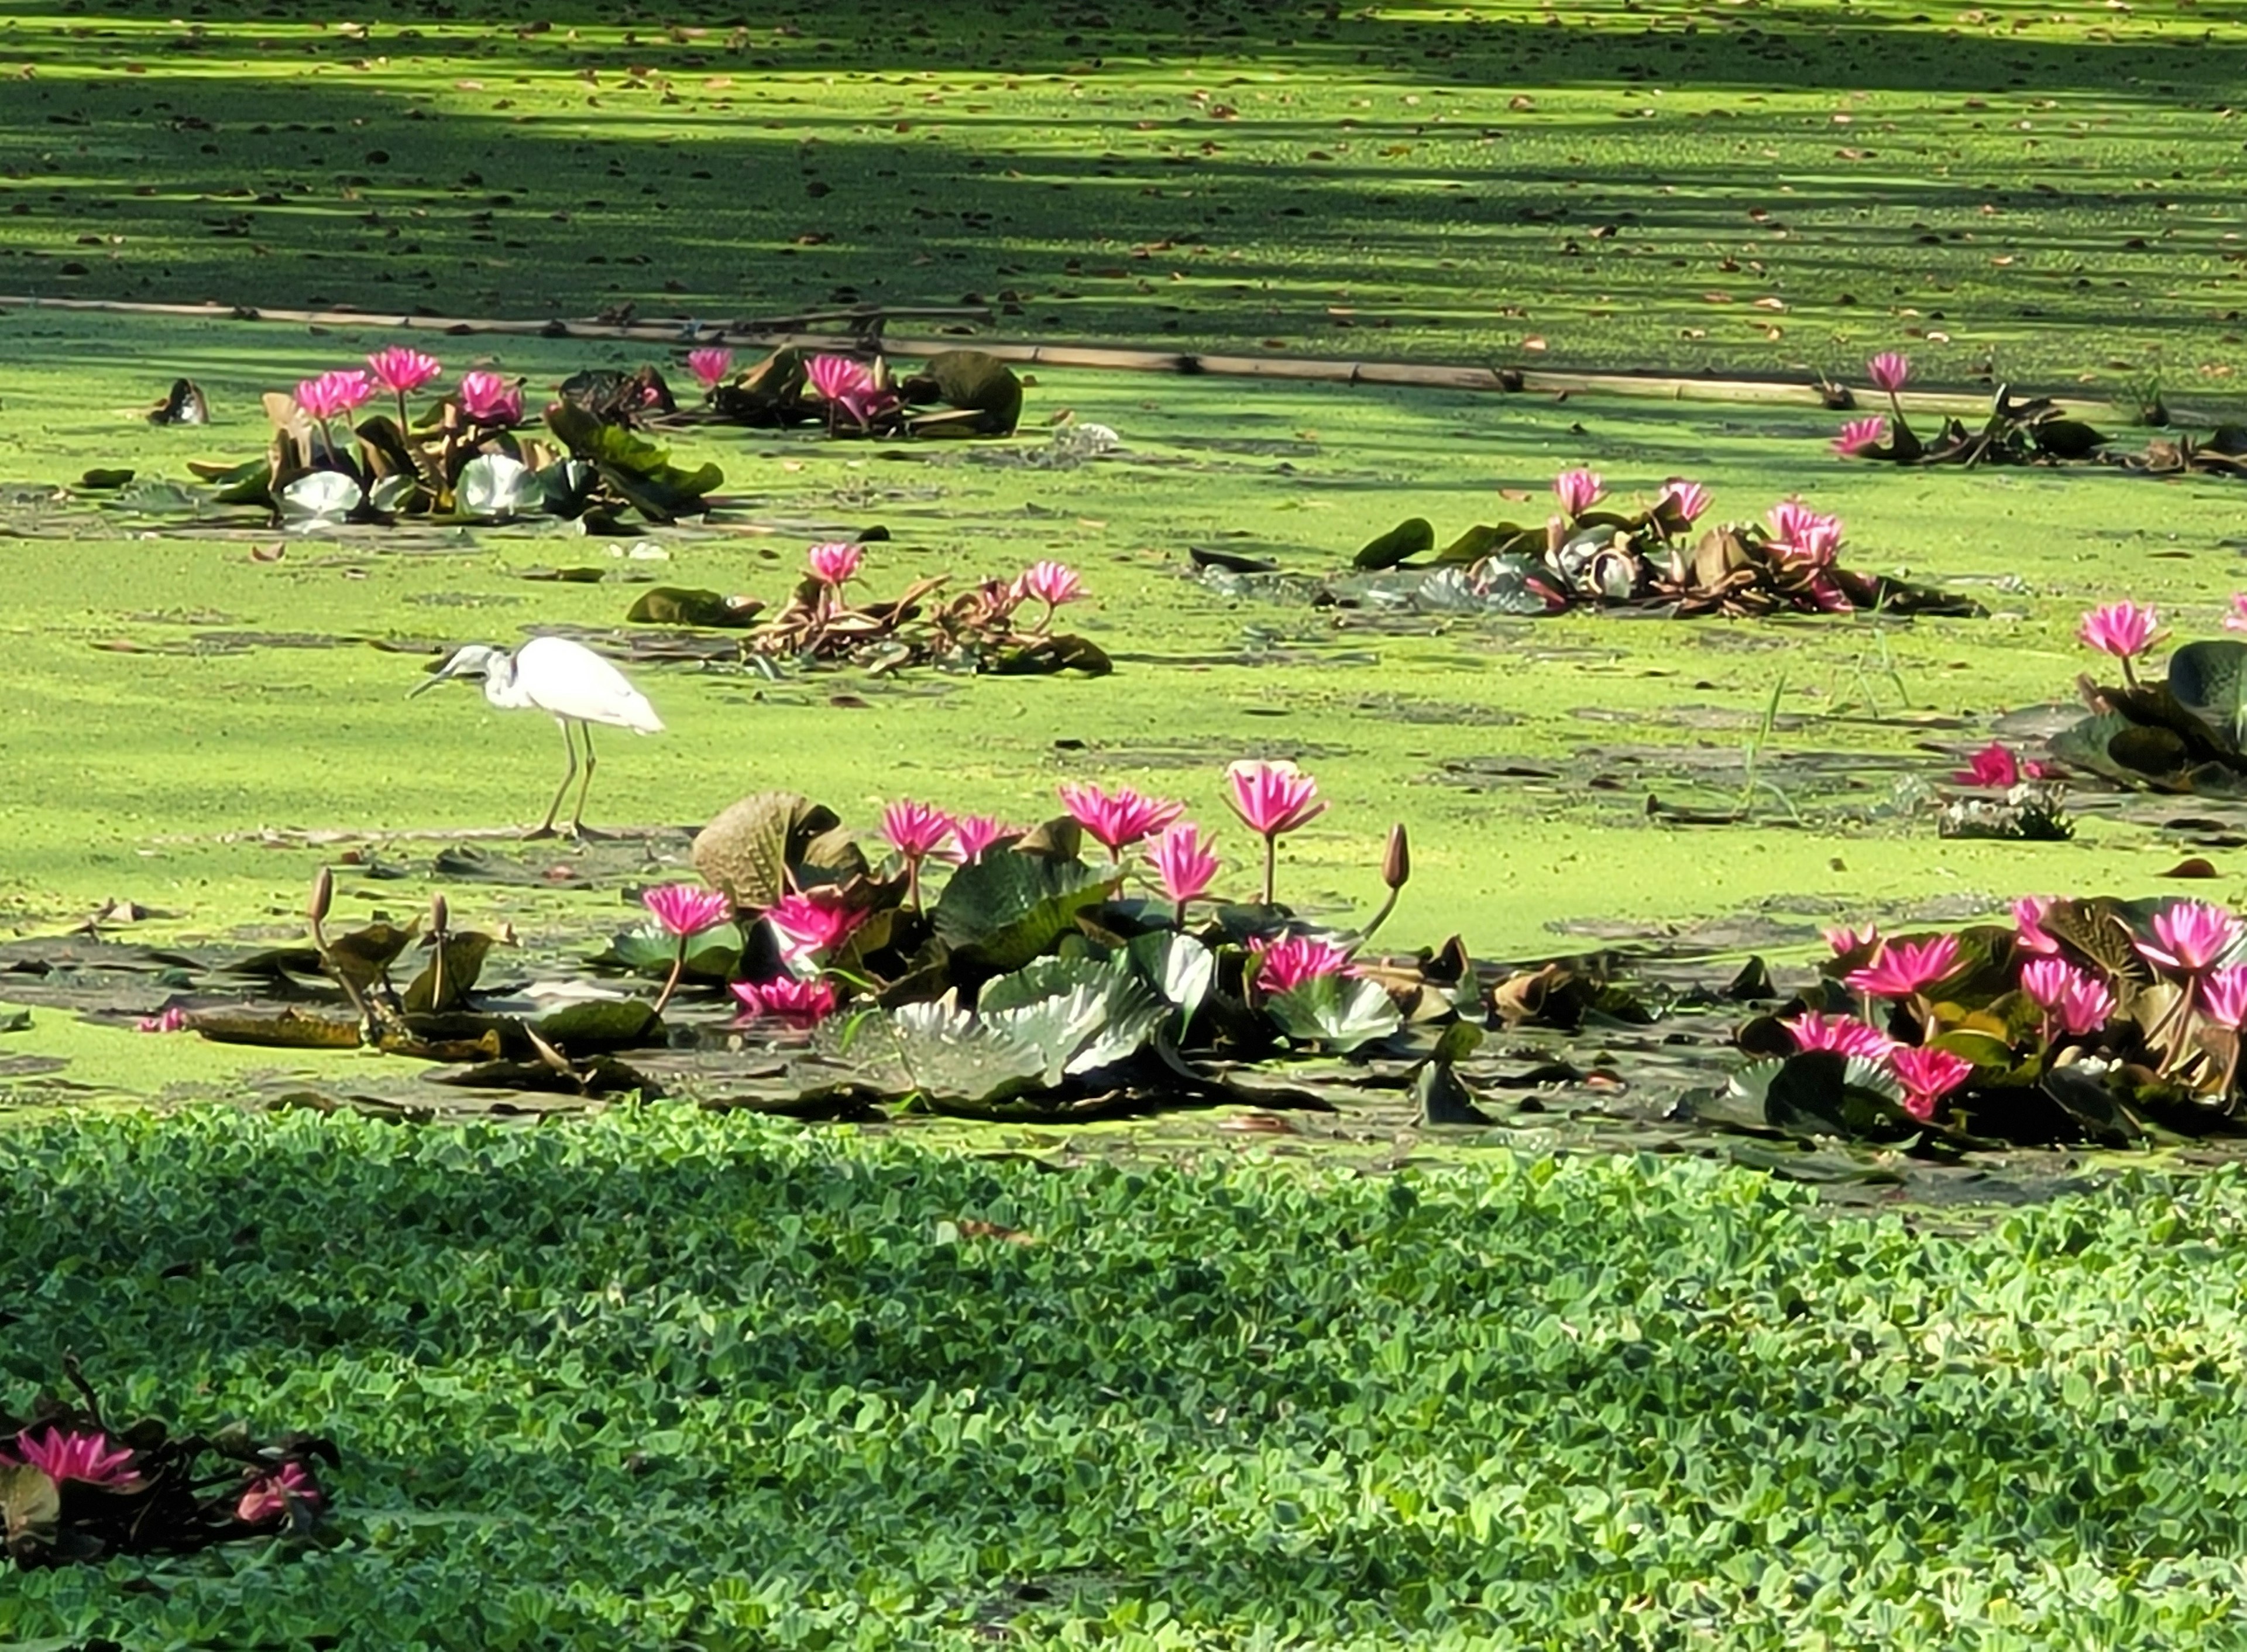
{"points": [[664, 1379]]}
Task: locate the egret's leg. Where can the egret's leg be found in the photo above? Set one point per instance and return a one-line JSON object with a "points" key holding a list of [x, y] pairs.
{"points": [[577, 826], [546, 827]]}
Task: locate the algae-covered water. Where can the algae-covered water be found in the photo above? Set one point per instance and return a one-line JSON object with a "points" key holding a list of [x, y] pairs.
{"points": [[198, 713]]}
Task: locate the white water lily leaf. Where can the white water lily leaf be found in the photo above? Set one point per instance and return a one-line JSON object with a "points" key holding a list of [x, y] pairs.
{"points": [[493, 485], [319, 499]]}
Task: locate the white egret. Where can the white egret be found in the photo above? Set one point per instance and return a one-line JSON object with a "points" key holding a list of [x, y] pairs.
{"points": [[569, 683]]}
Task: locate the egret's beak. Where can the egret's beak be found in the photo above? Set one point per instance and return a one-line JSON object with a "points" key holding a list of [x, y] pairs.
{"points": [[428, 682]]}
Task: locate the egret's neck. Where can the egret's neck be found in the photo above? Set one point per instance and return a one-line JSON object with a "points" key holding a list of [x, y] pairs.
{"points": [[500, 686]]}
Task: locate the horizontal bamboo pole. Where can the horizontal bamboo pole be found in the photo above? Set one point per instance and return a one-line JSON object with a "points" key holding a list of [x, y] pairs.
{"points": [[1767, 391]]}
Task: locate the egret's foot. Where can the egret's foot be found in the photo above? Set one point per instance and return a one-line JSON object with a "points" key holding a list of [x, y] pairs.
{"points": [[585, 833], [537, 832]]}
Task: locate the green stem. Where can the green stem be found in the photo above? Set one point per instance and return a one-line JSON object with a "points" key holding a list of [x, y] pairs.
{"points": [[1271, 863]]}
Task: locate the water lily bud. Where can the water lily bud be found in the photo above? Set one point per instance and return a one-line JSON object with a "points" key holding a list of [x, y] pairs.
{"points": [[324, 895], [1397, 862], [439, 915]]}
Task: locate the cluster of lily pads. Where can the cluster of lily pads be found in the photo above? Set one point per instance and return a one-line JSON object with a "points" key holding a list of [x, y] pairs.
{"points": [[956, 392], [73, 1488], [2038, 431], [1598, 552], [1003, 626], [968, 962], [2093, 1020], [341, 453], [1095, 962]]}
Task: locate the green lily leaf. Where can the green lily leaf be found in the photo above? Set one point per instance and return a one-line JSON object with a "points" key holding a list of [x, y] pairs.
{"points": [[1407, 538], [934, 1050], [1180, 967], [650, 949], [1820, 1093], [1340, 1012], [1081, 1015], [1007, 908]]}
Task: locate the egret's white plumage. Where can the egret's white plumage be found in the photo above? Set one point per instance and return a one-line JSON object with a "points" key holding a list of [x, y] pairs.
{"points": [[569, 683]]}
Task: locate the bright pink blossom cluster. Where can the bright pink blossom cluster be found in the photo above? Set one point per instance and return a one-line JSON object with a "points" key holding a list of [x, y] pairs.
{"points": [[2198, 947], [850, 387], [1889, 370], [485, 398], [86, 1455]]}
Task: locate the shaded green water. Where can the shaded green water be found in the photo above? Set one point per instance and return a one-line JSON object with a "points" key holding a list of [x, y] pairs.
{"points": [[2023, 192]]}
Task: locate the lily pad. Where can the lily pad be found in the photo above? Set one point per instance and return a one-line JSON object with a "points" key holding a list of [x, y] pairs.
{"points": [[1007, 908]]}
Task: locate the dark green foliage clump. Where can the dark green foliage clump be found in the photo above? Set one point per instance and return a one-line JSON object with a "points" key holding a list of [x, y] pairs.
{"points": [[665, 1379]]}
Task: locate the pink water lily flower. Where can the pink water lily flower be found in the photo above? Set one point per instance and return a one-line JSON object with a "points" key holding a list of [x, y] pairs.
{"points": [[835, 377], [686, 909], [173, 1020], [1282, 966], [1578, 490], [1861, 435], [2189, 937], [1119, 818], [1903, 969], [849, 386], [710, 365], [916, 831], [1998, 766], [1812, 535], [333, 394], [797, 1002], [1844, 940], [1889, 371], [1687, 498], [2236, 619], [811, 923], [1273, 798], [1184, 863], [2075, 1001], [487, 399], [2124, 630], [2085, 1006], [835, 565], [270, 1496], [1928, 1075], [1052, 583], [400, 369], [2028, 925], [974, 834], [90, 1458], [1843, 1035], [2223, 996]]}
